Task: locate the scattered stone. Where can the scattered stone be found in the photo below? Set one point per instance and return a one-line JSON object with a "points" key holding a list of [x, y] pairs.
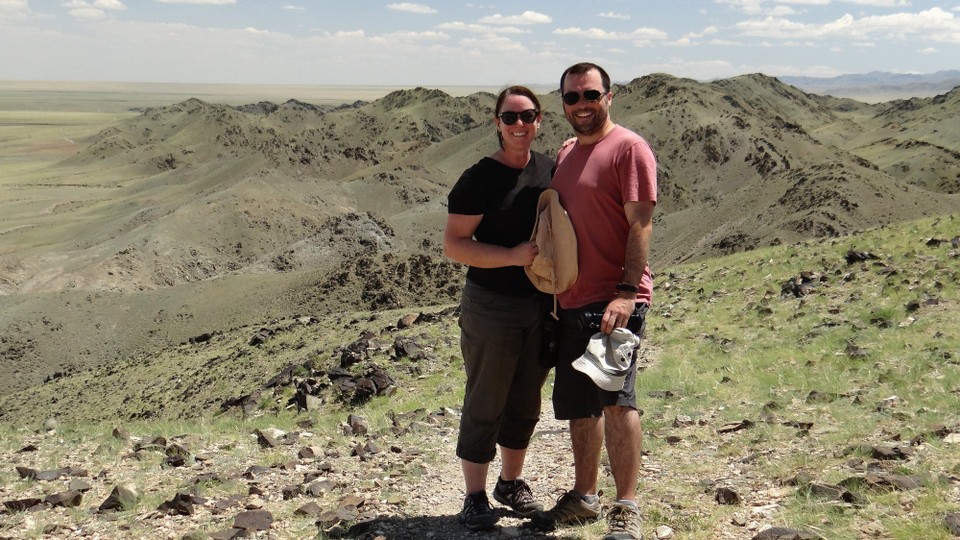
{"points": [[889, 403], [407, 320], [26, 473], [408, 348], [357, 424], [208, 478], [663, 533], [120, 434], [66, 499], [291, 492], [885, 482], [319, 487], [727, 496], [783, 533], [121, 498], [51, 475], [885, 453], [262, 335], [22, 505], [855, 351], [310, 509], [227, 534], [952, 521], [310, 452], [836, 493], [229, 502], [815, 396], [51, 424], [308, 402], [202, 338], [265, 439], [859, 256], [28, 448], [731, 427], [182, 504], [258, 520], [801, 285], [79, 485]]}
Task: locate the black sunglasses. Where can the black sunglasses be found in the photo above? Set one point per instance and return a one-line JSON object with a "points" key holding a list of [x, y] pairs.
{"points": [[510, 118], [571, 98]]}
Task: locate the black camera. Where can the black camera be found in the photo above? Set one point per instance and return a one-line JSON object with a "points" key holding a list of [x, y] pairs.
{"points": [[591, 320]]}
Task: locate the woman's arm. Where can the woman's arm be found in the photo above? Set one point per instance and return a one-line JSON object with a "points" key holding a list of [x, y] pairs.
{"points": [[459, 245]]}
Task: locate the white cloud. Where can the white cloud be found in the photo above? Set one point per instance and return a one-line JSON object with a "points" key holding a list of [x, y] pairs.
{"points": [[347, 35], [527, 17], [84, 10], [458, 26], [110, 4], [412, 8], [725, 43], [929, 50], [880, 3], [14, 10], [759, 7], [933, 24], [642, 35], [491, 44], [710, 30], [291, 7], [805, 2], [211, 2], [612, 15], [416, 36], [782, 11], [750, 7]]}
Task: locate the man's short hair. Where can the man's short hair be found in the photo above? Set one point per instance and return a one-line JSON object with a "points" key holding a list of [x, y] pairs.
{"points": [[584, 67]]}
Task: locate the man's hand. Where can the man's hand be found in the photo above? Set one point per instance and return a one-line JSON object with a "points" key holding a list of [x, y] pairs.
{"points": [[617, 313]]}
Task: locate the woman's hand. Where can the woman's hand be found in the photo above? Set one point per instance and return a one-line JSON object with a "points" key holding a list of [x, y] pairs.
{"points": [[525, 252]]}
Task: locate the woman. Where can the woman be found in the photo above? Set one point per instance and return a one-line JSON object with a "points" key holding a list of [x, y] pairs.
{"points": [[492, 209]]}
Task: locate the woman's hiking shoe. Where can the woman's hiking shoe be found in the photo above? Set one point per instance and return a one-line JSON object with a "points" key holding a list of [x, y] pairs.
{"points": [[570, 509], [476, 513], [625, 523], [517, 496]]}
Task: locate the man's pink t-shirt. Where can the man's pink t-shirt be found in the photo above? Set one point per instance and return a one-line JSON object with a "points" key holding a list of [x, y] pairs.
{"points": [[594, 181]]}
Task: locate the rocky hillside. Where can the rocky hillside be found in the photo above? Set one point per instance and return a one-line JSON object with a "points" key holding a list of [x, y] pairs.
{"points": [[199, 217], [803, 391]]}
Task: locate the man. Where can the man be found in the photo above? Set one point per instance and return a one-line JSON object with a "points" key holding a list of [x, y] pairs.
{"points": [[607, 183]]}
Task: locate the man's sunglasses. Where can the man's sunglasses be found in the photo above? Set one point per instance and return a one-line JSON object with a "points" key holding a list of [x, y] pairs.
{"points": [[510, 117], [571, 98]]}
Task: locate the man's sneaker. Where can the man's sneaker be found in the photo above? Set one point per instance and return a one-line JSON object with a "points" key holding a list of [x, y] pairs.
{"points": [[517, 496], [476, 513], [570, 509], [625, 523]]}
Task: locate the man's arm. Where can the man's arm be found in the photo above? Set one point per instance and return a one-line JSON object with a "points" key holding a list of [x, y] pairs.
{"points": [[640, 217]]}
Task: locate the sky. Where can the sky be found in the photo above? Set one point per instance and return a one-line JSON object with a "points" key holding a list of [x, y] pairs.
{"points": [[486, 43]]}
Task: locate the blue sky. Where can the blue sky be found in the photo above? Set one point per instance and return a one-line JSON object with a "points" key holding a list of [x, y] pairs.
{"points": [[487, 43]]}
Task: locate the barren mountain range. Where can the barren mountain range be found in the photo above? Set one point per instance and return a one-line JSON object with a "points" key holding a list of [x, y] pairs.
{"points": [[198, 217]]}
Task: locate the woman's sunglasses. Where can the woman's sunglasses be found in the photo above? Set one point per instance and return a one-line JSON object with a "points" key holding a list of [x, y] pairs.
{"points": [[510, 118], [571, 98]]}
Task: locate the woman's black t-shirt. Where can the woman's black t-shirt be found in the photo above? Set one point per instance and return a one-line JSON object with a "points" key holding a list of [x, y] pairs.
{"points": [[507, 200]]}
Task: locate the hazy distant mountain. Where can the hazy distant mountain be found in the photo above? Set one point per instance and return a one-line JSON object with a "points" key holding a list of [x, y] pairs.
{"points": [[879, 85]]}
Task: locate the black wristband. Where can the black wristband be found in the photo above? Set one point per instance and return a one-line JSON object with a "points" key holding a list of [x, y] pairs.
{"points": [[626, 287]]}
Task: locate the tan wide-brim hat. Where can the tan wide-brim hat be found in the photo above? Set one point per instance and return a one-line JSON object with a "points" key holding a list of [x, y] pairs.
{"points": [[554, 270]]}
